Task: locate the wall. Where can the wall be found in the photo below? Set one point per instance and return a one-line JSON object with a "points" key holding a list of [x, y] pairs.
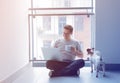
{"points": [[13, 36], [108, 30]]}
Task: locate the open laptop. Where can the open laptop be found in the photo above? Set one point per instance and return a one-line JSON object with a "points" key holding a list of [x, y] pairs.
{"points": [[51, 54]]}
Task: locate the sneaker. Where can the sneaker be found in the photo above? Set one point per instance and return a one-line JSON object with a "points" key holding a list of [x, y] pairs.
{"points": [[78, 72], [50, 73], [75, 73]]}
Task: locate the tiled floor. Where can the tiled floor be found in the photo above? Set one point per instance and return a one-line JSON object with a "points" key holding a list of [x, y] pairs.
{"points": [[40, 75]]}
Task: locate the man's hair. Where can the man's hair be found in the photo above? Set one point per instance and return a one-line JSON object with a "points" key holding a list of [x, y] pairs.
{"points": [[69, 27]]}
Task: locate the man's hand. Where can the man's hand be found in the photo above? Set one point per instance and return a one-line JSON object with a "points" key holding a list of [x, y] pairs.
{"points": [[78, 53], [73, 49]]}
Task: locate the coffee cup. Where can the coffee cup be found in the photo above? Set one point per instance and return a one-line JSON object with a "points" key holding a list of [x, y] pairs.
{"points": [[68, 47]]}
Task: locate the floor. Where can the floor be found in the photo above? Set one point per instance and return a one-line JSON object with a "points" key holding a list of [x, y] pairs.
{"points": [[40, 75]]}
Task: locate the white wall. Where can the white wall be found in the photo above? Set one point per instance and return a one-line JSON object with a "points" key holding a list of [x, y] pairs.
{"points": [[108, 30], [13, 36]]}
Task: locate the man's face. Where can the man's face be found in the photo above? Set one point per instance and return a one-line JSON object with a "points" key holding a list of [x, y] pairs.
{"points": [[66, 34]]}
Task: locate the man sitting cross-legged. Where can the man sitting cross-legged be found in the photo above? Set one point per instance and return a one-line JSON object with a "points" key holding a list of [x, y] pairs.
{"points": [[69, 49]]}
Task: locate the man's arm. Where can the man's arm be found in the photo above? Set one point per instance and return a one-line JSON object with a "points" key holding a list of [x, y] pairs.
{"points": [[55, 43], [77, 52]]}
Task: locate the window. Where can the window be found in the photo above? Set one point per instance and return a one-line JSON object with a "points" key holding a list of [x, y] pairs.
{"points": [[48, 17], [47, 22], [78, 23], [61, 24]]}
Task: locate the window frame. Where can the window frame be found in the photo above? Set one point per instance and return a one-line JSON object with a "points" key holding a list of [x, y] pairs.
{"points": [[32, 15]]}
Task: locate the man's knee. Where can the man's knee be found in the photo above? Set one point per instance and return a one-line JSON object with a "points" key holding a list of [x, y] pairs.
{"points": [[49, 63], [81, 62]]}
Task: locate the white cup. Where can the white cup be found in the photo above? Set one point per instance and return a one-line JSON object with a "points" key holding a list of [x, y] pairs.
{"points": [[68, 47]]}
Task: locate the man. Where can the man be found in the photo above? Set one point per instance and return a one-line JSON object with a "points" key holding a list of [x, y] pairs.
{"points": [[69, 49]]}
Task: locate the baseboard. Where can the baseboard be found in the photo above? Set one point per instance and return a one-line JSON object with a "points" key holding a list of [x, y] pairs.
{"points": [[112, 67], [109, 67], [39, 63], [14, 76]]}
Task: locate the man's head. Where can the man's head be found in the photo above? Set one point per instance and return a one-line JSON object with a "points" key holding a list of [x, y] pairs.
{"points": [[67, 32]]}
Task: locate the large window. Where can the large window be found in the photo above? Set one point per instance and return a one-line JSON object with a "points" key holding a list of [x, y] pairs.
{"points": [[48, 17], [61, 24]]}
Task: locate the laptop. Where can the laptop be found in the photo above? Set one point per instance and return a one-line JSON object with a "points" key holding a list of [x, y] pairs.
{"points": [[51, 54]]}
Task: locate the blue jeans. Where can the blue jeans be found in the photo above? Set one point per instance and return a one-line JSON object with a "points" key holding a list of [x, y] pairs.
{"points": [[65, 67]]}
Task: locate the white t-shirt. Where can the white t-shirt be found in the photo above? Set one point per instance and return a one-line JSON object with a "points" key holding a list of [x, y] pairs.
{"points": [[67, 55]]}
